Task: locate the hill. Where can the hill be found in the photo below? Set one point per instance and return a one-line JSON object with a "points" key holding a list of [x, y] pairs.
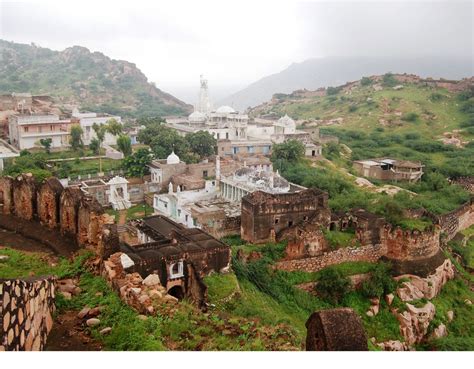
{"points": [[78, 77], [323, 72]]}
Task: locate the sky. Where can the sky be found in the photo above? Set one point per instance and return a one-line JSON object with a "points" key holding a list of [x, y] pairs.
{"points": [[236, 42]]}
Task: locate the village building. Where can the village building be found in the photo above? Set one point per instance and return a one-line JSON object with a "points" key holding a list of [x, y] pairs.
{"points": [[88, 119], [265, 215], [25, 131], [389, 169], [169, 249]]}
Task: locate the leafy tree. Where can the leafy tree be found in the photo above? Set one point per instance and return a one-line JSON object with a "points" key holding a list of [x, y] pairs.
{"points": [[291, 150], [331, 151], [76, 137], [124, 144], [95, 146], [100, 131], [202, 143], [333, 90], [147, 121], [332, 285], [389, 80], [380, 282], [168, 140], [29, 163], [136, 165], [365, 81], [46, 143], [64, 170], [153, 129], [114, 127]]}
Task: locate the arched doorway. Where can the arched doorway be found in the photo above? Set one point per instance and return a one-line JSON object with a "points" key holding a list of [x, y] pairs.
{"points": [[176, 291]]}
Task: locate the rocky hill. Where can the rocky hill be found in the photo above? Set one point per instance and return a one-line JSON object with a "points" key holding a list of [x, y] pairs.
{"points": [[332, 71], [78, 77]]}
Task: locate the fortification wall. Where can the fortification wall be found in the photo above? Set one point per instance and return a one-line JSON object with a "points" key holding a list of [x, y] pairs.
{"points": [[366, 253], [26, 309], [457, 220]]}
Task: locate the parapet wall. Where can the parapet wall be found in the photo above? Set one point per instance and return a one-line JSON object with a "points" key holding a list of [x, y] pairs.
{"points": [[67, 211], [26, 309], [366, 253], [457, 220]]}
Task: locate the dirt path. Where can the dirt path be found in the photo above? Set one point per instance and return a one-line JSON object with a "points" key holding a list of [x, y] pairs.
{"points": [[122, 218], [70, 334]]}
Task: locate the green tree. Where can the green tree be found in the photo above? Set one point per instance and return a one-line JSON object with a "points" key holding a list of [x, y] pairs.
{"points": [[202, 143], [168, 140], [95, 146], [113, 127], [153, 129], [136, 165], [291, 150], [46, 143], [333, 90], [389, 80], [124, 144], [76, 137], [380, 282], [365, 81], [332, 285]]}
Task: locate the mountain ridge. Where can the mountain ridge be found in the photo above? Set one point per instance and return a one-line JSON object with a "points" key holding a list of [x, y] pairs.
{"points": [[76, 76]]}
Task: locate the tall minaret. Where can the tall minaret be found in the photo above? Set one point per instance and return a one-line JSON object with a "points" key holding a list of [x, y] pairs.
{"points": [[218, 168], [204, 104]]}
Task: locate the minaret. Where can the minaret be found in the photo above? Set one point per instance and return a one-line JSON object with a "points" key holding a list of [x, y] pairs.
{"points": [[204, 104]]}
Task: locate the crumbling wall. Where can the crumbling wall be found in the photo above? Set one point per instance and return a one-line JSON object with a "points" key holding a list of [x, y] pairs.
{"points": [[26, 309], [457, 220], [369, 253], [69, 209], [48, 198], [24, 196], [6, 195]]}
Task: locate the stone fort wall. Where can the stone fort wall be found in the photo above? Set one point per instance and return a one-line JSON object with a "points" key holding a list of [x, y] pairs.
{"points": [[26, 308], [457, 220]]}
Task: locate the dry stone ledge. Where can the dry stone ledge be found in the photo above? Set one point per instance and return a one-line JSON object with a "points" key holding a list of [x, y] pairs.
{"points": [[26, 307]]}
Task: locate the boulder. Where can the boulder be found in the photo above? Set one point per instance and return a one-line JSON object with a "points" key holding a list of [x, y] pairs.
{"points": [[66, 295], [152, 280], [155, 294], [83, 313], [92, 322], [414, 322], [4, 257], [439, 331], [389, 298], [169, 298], [106, 330], [126, 261], [450, 315], [393, 346]]}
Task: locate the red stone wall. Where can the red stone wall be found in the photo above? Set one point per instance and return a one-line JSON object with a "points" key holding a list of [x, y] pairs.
{"points": [[24, 196], [48, 207], [26, 309]]}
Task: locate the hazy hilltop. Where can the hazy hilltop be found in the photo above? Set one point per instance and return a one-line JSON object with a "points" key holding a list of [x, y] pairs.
{"points": [[90, 80], [334, 71]]}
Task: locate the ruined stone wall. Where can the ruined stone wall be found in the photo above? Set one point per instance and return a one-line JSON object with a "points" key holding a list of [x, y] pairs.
{"points": [[24, 196], [223, 226], [26, 309], [457, 220], [466, 182], [6, 195], [48, 202], [314, 264], [410, 244]]}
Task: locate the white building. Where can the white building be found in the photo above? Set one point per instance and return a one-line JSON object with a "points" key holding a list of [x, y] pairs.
{"points": [[87, 120], [26, 131]]}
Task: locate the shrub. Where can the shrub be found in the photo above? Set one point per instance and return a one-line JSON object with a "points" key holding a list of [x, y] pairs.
{"points": [[410, 117], [380, 282], [365, 81], [332, 285]]}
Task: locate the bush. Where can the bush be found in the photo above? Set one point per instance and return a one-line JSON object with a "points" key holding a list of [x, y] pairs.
{"points": [[333, 90], [410, 117], [332, 285], [380, 282], [365, 81], [389, 80]]}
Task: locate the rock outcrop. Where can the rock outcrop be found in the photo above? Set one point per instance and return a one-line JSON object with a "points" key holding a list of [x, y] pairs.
{"points": [[414, 322]]}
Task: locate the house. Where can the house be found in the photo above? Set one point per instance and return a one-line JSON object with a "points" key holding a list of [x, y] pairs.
{"points": [[387, 169], [87, 120], [26, 131]]}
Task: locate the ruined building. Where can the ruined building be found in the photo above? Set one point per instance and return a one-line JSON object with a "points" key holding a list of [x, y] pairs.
{"points": [[179, 255], [335, 330], [389, 169], [265, 215]]}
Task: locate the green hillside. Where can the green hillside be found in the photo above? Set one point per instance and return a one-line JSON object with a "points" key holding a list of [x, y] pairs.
{"points": [[76, 76]]}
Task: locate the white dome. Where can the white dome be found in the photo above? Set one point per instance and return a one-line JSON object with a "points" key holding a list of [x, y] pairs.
{"points": [[197, 117], [172, 158], [225, 109], [286, 121]]}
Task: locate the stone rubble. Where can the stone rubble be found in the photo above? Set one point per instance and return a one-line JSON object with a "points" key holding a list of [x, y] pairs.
{"points": [[414, 322]]}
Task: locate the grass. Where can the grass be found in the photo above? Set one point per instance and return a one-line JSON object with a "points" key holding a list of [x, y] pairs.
{"points": [[221, 286], [415, 224], [338, 239], [135, 212]]}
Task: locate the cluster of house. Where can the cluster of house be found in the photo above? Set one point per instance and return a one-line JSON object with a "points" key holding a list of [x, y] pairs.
{"points": [[27, 119]]}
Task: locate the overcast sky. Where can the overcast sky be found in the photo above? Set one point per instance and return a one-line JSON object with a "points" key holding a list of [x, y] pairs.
{"points": [[234, 43]]}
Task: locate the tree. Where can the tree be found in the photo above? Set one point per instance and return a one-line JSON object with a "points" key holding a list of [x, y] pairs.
{"points": [[95, 146], [365, 81], [291, 150], [333, 90], [136, 165], [146, 121], [46, 143], [124, 144], [100, 132], [153, 129], [113, 127], [76, 137], [389, 80], [380, 282], [168, 140], [202, 143], [332, 285]]}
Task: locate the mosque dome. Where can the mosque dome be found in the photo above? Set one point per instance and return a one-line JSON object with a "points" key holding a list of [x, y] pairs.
{"points": [[286, 121], [197, 117], [172, 158], [225, 109]]}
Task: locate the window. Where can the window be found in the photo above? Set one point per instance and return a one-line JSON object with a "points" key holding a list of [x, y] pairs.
{"points": [[227, 135], [204, 173], [51, 128], [305, 217], [218, 136], [186, 218], [277, 220], [25, 129], [179, 212], [176, 270], [290, 223]]}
